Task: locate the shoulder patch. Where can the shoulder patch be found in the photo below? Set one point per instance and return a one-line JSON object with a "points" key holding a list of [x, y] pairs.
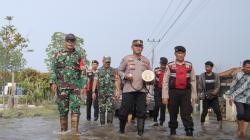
{"points": [[187, 62]]}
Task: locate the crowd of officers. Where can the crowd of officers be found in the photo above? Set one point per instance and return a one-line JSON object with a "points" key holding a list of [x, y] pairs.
{"points": [[175, 88]]}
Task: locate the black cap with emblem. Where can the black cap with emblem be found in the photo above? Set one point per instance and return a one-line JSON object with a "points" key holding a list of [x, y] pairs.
{"points": [[70, 37], [180, 49]]}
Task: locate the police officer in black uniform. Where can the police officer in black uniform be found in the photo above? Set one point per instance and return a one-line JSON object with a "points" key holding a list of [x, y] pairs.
{"points": [[179, 91]]}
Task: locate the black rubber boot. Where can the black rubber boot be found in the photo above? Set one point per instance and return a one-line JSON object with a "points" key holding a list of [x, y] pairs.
{"points": [[102, 118], [110, 117], [172, 131], [140, 126], [122, 126], [189, 132]]}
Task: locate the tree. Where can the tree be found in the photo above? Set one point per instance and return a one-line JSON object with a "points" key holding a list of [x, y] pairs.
{"points": [[57, 44], [12, 59], [35, 85]]}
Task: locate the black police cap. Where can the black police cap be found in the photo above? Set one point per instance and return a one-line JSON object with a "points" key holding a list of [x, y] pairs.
{"points": [[180, 49]]}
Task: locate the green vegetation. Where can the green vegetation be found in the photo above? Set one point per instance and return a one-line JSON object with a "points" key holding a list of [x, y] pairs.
{"points": [[45, 111]]}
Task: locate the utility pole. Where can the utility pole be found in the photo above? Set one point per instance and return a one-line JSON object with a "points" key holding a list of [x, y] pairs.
{"points": [[154, 43]]}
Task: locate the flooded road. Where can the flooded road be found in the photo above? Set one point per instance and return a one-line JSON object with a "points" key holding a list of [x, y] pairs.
{"points": [[46, 128]]}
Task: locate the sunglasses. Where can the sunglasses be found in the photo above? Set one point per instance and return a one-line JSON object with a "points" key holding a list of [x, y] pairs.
{"points": [[71, 40], [107, 62]]}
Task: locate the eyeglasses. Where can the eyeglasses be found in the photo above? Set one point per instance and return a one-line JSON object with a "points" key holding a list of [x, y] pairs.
{"points": [[107, 62]]}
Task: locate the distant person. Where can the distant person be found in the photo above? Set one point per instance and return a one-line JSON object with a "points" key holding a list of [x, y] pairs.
{"points": [[107, 83], [90, 74], [159, 106], [209, 86]]}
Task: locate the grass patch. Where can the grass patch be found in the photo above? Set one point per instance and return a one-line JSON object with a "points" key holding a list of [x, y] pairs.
{"points": [[46, 111]]}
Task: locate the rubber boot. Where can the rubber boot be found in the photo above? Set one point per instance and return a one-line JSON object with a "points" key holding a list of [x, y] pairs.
{"points": [[64, 124], [140, 126], [110, 117], [75, 123], [102, 118], [189, 132], [122, 126], [172, 131], [220, 124]]}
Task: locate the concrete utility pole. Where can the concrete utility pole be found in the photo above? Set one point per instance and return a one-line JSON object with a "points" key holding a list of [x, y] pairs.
{"points": [[154, 43]]}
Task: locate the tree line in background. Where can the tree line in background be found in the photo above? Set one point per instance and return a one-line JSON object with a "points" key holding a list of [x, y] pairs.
{"points": [[34, 84]]}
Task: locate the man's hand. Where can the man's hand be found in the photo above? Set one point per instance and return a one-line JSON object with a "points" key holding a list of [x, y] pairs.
{"points": [[231, 101], [83, 91], [117, 96], [129, 77], [148, 100], [193, 102], [94, 96], [54, 88], [165, 101]]}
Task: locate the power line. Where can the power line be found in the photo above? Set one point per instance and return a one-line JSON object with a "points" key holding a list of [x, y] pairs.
{"points": [[197, 10], [162, 17], [175, 21], [171, 17]]}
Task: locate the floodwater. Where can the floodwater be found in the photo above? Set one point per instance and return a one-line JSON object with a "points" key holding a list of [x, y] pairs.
{"points": [[44, 128]]}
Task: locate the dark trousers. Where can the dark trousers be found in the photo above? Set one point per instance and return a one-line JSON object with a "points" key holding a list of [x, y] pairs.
{"points": [[214, 104], [89, 105], [131, 100], [180, 100], [159, 106], [243, 111]]}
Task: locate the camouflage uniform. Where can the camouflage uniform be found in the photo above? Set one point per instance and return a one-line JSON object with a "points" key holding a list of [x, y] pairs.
{"points": [[67, 75], [106, 92]]}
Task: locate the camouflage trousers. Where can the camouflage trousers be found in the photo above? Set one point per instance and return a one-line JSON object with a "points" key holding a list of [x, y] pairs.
{"points": [[68, 98], [106, 102]]}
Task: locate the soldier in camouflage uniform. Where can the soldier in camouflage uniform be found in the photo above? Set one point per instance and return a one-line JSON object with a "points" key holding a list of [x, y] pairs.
{"points": [[67, 81], [107, 82]]}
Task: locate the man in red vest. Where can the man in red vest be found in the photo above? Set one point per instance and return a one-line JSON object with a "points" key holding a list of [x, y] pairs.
{"points": [[159, 74], [179, 91], [91, 74]]}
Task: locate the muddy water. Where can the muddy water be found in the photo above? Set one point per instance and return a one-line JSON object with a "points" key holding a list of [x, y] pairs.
{"points": [[40, 128]]}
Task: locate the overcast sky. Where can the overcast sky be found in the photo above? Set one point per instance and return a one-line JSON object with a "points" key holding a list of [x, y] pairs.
{"points": [[216, 30]]}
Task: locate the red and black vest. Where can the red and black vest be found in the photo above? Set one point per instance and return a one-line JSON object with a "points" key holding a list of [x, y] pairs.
{"points": [[180, 75], [159, 74]]}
